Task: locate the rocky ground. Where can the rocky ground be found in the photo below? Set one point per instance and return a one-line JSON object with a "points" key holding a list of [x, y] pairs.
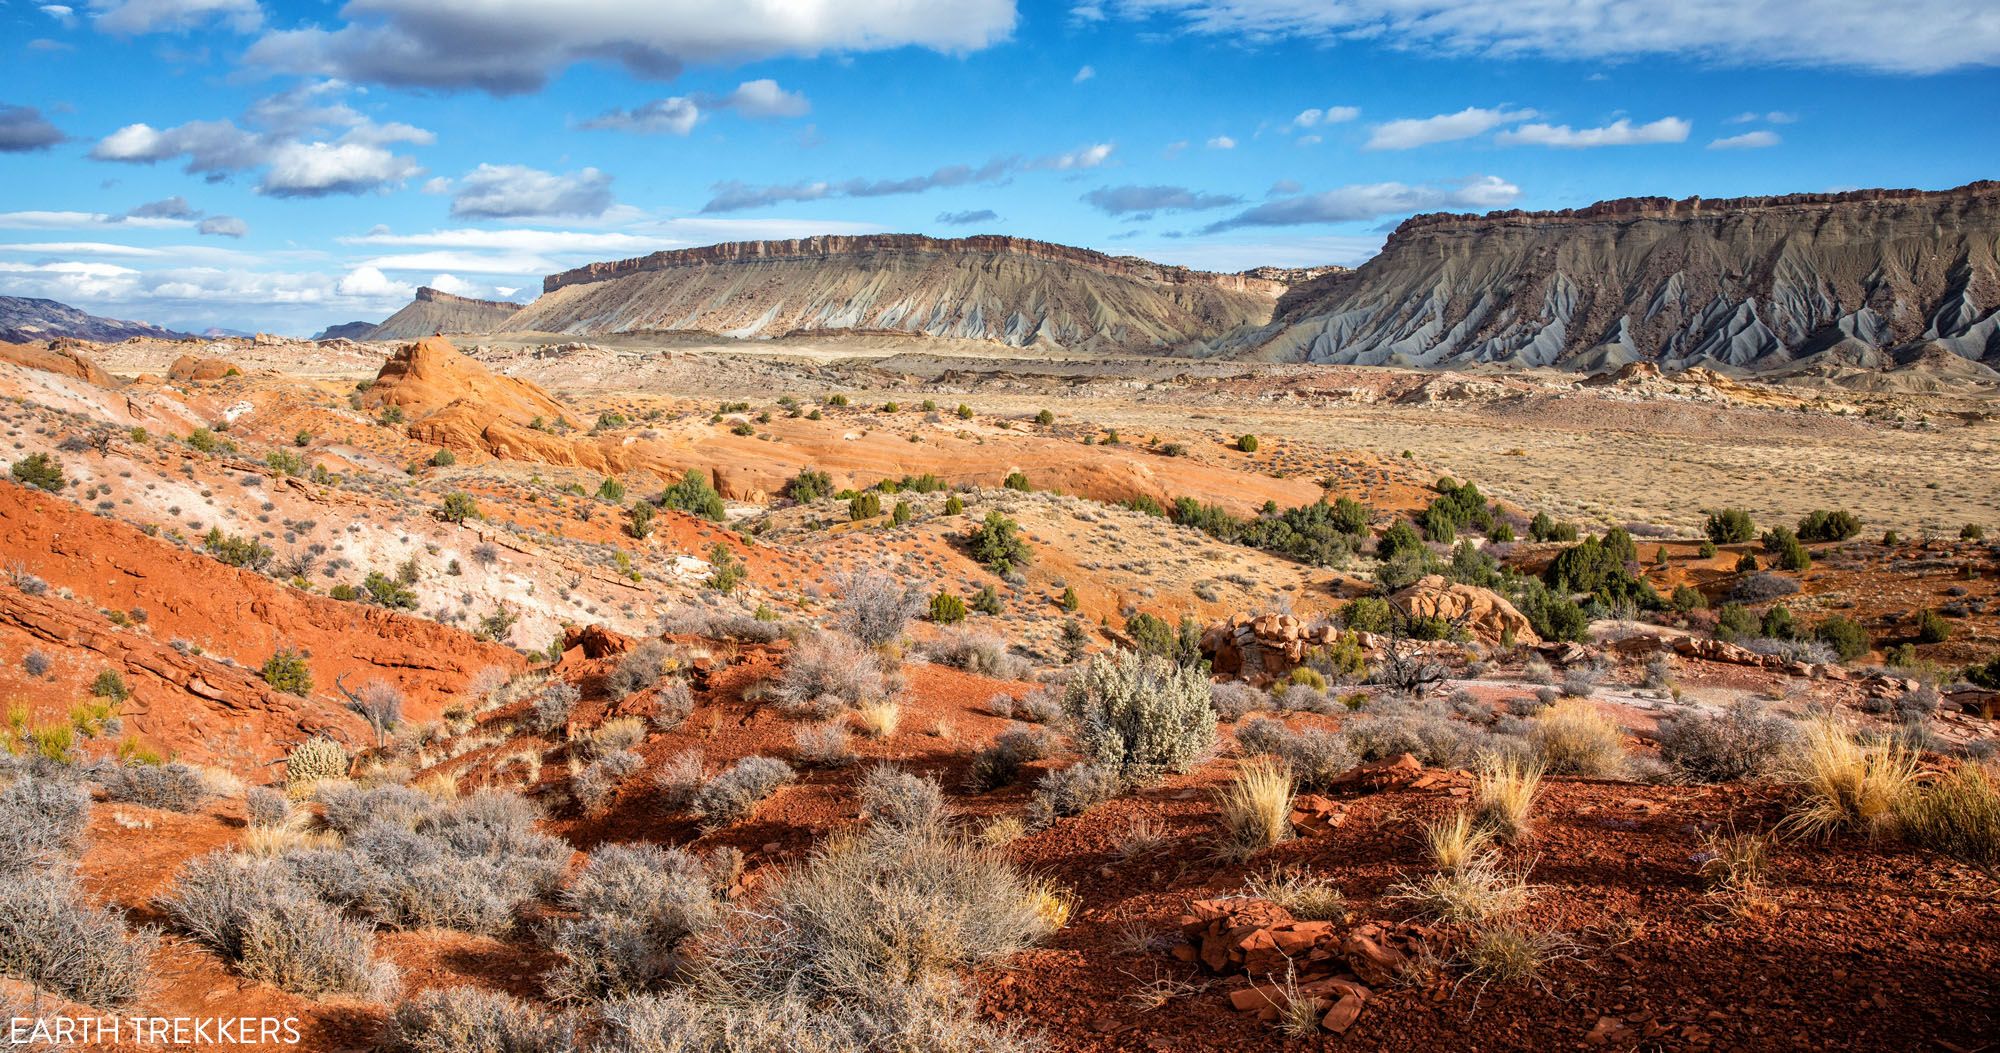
{"points": [[439, 523]]}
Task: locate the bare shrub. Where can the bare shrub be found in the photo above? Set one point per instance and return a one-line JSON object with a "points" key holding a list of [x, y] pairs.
{"points": [[895, 799], [1072, 791], [471, 1020], [1762, 587], [303, 946], [829, 672], [874, 607], [1426, 729], [1000, 763], [975, 652], [827, 745], [552, 707], [937, 1018], [672, 705], [1234, 699], [680, 779], [1739, 742], [737, 792], [266, 809], [42, 822], [638, 669], [53, 939], [173, 787]]}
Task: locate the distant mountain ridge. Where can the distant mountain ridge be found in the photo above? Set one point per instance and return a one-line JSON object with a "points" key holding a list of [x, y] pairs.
{"points": [[435, 311], [26, 320], [1014, 291], [1869, 279]]}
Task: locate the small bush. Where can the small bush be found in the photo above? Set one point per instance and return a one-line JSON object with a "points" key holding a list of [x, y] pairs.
{"points": [[947, 608], [1140, 715], [303, 946], [553, 707], [1730, 526], [1762, 588], [637, 670], [874, 608], [1573, 738], [1000, 763], [1958, 815], [1246, 443], [974, 652], [1234, 700], [266, 809], [1072, 791], [473, 1020], [40, 471], [173, 787], [827, 745], [827, 672], [458, 507], [737, 792], [1822, 525], [997, 543], [42, 822], [315, 759], [1255, 809], [54, 940], [1932, 628], [895, 799], [1739, 742]]}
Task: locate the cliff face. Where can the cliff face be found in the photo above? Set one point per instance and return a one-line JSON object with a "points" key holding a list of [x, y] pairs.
{"points": [[1867, 278], [1011, 290], [25, 320], [434, 312]]}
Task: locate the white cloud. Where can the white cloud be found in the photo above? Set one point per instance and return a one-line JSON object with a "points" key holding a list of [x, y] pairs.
{"points": [[1618, 133], [319, 169], [1127, 200], [223, 227], [175, 207], [1410, 132], [1314, 117], [1085, 157], [678, 114], [1084, 74], [64, 220], [1756, 140], [1222, 142], [134, 17], [1310, 140], [367, 282], [1370, 201], [764, 98], [1773, 117], [670, 116], [735, 196], [508, 191], [513, 46], [1923, 36]]}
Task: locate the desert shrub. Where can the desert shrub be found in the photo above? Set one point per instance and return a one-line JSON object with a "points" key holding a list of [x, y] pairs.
{"points": [[1688, 598], [266, 809], [1761, 588], [895, 799], [1932, 628], [830, 671], [301, 945], [1390, 726], [874, 608], [1000, 763], [1846, 636], [1140, 715], [458, 506], [40, 471], [1368, 614], [347, 808], [739, 789], [1153, 635], [56, 941], [1790, 553], [808, 486], [1721, 745], [315, 759], [1822, 525], [553, 706], [974, 652], [1234, 700], [1573, 738], [638, 904], [473, 1020], [380, 704], [827, 745], [997, 543], [695, 495], [1730, 526], [248, 553], [385, 591], [1255, 808], [637, 670], [287, 671], [173, 787], [947, 608], [1581, 680], [1072, 791], [1314, 758], [42, 822], [639, 519], [1844, 783]]}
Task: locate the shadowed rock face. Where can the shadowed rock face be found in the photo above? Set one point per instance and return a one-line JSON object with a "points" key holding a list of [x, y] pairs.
{"points": [[1009, 290], [434, 312], [1869, 278], [25, 320]]}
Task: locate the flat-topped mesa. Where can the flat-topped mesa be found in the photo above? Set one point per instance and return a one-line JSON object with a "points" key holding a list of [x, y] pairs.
{"points": [[426, 294], [833, 246], [1696, 207]]}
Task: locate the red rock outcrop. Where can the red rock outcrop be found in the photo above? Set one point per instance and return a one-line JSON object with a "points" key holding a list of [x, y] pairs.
{"points": [[1484, 613], [453, 401], [59, 356]]}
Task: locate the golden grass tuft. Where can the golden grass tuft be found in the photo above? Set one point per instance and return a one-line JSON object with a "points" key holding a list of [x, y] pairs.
{"points": [[1504, 793], [1306, 895], [1958, 815], [1477, 894], [1002, 830], [1053, 903], [1256, 808], [1574, 738], [1846, 784], [878, 720], [1457, 841]]}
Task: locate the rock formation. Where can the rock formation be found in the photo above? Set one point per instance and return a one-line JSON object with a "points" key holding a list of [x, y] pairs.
{"points": [[1009, 290], [1484, 613], [60, 356], [452, 401], [1868, 279], [434, 312]]}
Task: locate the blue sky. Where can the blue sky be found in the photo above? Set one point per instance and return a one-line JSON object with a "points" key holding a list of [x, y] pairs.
{"points": [[268, 165]]}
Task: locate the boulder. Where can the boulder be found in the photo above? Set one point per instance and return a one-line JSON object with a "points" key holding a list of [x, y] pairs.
{"points": [[1486, 614], [188, 369]]}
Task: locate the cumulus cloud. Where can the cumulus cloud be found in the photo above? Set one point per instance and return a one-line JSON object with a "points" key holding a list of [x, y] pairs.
{"points": [[370, 282], [1128, 200], [175, 207], [22, 128], [1315, 116], [509, 191], [678, 114], [1369, 201], [735, 196], [511, 46], [1407, 133], [1925, 36], [134, 17], [296, 144], [1617, 133], [1222, 142], [970, 216], [1084, 74], [223, 226], [1756, 140]]}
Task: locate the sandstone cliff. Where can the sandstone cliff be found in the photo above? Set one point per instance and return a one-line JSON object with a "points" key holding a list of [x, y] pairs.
{"points": [[1870, 278], [434, 312], [1009, 290]]}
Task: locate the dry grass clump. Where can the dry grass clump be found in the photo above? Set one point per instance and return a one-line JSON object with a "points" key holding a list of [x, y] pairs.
{"points": [[1511, 954], [1732, 862], [1307, 895], [1958, 815], [824, 745], [1255, 808], [1504, 793], [1844, 783], [828, 672], [1457, 841], [1573, 738], [878, 720]]}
